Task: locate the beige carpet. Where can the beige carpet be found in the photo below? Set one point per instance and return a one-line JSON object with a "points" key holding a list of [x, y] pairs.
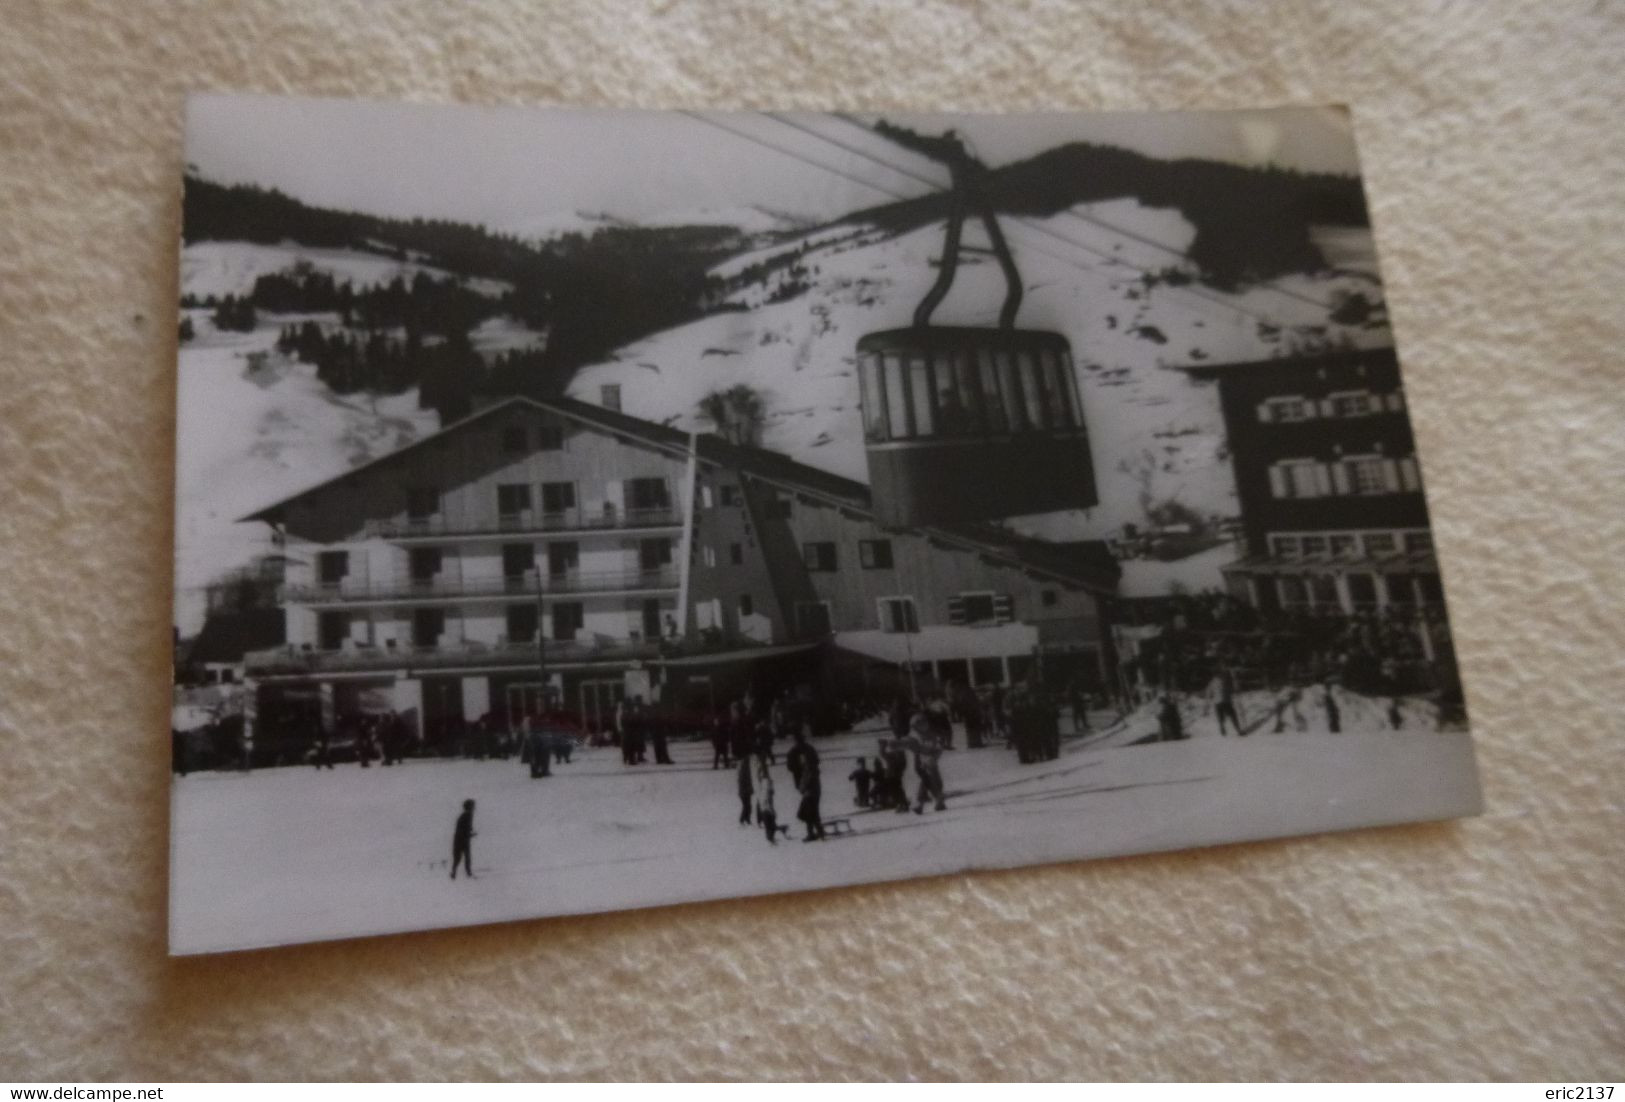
{"points": [[1495, 154]]}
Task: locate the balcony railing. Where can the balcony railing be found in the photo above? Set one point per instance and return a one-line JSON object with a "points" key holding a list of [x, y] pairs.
{"points": [[292, 659], [435, 589], [466, 655], [569, 520]]}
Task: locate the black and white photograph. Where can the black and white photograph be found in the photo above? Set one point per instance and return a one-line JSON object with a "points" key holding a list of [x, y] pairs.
{"points": [[580, 510]]}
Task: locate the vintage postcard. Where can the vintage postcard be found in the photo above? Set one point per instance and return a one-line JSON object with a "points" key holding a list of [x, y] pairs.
{"points": [[582, 510]]}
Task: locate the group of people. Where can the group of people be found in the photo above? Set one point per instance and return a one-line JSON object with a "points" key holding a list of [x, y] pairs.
{"points": [[754, 771], [636, 729]]}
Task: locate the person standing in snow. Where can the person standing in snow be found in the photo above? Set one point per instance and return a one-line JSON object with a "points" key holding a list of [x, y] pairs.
{"points": [[1396, 718], [657, 719], [861, 777], [809, 784], [1226, 707], [746, 790], [927, 766], [1173, 727], [765, 813], [719, 742], [1334, 717], [462, 839]]}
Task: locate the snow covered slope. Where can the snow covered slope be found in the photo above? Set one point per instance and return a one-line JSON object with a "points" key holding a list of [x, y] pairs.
{"points": [[231, 267], [253, 427], [1156, 436]]}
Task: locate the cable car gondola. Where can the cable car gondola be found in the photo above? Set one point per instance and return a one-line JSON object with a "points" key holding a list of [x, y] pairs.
{"points": [[970, 423]]}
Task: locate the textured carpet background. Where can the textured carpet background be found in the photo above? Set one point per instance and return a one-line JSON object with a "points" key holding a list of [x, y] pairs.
{"points": [[1494, 155]]}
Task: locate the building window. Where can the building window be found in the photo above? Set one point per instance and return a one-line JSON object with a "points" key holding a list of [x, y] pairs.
{"points": [[812, 619], [423, 563], [1049, 598], [522, 623], [515, 439], [1355, 403], [736, 554], [707, 498], [568, 618], [558, 498], [1314, 546], [422, 502], [729, 495], [1367, 476], [875, 554], [609, 396], [1342, 546], [518, 560], [819, 556], [779, 509], [563, 559], [513, 499], [708, 555], [644, 495], [550, 438], [1286, 547], [332, 629], [747, 607], [1419, 541], [428, 625], [1323, 591], [1295, 478], [1286, 408], [1380, 543], [1362, 591], [980, 608], [332, 567], [654, 554], [898, 615]]}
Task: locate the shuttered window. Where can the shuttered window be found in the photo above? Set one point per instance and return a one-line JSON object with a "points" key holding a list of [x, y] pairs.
{"points": [[897, 615]]}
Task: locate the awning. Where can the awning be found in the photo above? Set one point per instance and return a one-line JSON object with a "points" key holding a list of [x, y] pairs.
{"points": [[742, 654]]}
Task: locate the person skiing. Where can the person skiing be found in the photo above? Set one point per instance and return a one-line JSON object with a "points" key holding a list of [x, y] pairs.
{"points": [[765, 814], [746, 790], [1226, 708], [1334, 716], [861, 777], [461, 839]]}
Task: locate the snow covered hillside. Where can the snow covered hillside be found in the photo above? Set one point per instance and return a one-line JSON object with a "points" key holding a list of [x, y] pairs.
{"points": [[253, 427], [1156, 436], [222, 268]]}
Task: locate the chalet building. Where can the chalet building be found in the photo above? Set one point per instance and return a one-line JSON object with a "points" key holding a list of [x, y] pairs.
{"points": [[560, 544], [1331, 495]]}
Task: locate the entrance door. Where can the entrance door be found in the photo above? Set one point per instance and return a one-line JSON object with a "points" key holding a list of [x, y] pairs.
{"points": [[523, 700], [598, 700]]}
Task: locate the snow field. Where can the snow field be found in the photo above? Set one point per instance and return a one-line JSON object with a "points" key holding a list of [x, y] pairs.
{"points": [[295, 854]]}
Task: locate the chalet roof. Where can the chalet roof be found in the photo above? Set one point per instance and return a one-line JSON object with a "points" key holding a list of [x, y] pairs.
{"points": [[1086, 564]]}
